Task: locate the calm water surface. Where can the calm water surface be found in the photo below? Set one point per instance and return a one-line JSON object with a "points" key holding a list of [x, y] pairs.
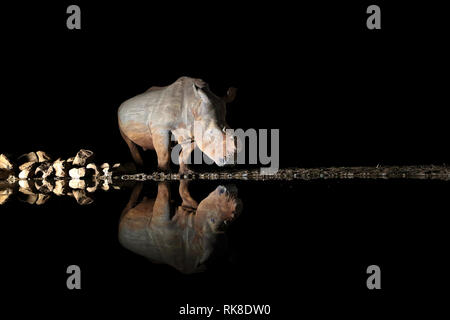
{"points": [[283, 243]]}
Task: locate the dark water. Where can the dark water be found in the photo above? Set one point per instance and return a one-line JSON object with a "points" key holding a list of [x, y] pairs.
{"points": [[298, 246]]}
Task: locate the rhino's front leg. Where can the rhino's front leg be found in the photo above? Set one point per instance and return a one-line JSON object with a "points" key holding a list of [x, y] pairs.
{"points": [[186, 150], [185, 195], [161, 144], [161, 207]]}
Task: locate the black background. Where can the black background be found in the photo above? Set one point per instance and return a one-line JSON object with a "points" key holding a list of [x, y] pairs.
{"points": [[340, 95]]}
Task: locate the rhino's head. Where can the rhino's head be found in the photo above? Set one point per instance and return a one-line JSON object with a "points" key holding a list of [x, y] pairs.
{"points": [[218, 209], [211, 129]]}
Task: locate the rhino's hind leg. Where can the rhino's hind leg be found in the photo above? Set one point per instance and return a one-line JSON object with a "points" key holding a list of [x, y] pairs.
{"points": [[133, 198], [133, 149]]}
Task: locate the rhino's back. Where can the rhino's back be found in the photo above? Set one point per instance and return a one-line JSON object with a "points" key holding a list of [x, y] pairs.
{"points": [[160, 107], [167, 110], [161, 241]]}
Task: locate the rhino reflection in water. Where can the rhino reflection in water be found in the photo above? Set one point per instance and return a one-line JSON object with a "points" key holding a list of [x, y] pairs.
{"points": [[185, 240]]}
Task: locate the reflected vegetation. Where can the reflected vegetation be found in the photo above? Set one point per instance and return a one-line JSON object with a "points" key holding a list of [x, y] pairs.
{"points": [[39, 191], [183, 236], [34, 177]]}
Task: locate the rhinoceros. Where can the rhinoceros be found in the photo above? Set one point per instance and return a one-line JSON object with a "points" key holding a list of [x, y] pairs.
{"points": [[188, 110], [185, 240]]}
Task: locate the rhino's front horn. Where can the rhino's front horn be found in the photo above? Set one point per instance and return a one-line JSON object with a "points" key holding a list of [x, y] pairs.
{"points": [[231, 95]]}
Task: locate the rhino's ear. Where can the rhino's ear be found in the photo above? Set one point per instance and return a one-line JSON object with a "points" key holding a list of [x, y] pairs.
{"points": [[231, 95], [199, 93]]}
